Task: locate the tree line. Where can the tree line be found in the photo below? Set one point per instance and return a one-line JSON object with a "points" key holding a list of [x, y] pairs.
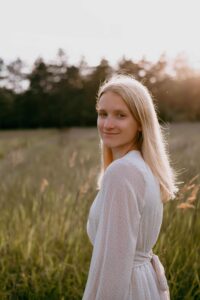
{"points": [[58, 94]]}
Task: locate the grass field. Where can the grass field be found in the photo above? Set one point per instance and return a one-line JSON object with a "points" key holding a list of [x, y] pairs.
{"points": [[47, 184]]}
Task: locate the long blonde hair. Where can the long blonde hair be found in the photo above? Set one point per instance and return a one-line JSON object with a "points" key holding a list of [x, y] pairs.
{"points": [[151, 141]]}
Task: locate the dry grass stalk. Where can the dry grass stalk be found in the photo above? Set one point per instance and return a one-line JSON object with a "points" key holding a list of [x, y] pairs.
{"points": [[43, 185], [193, 190], [72, 159]]}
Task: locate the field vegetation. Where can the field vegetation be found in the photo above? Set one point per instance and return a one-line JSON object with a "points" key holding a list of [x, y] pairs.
{"points": [[47, 184]]}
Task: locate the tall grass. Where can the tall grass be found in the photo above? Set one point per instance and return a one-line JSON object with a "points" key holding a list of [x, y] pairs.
{"points": [[47, 184]]}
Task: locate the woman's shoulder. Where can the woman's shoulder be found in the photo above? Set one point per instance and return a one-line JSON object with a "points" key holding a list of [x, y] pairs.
{"points": [[126, 174], [128, 166], [132, 159]]}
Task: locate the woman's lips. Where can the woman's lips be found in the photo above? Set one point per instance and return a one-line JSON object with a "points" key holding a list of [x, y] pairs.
{"points": [[109, 133]]}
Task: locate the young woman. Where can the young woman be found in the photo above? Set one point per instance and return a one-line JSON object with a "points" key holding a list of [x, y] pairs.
{"points": [[136, 179]]}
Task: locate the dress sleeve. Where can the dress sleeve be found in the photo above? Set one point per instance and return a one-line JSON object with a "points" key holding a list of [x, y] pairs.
{"points": [[115, 242]]}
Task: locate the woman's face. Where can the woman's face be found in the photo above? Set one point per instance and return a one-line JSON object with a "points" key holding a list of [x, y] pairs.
{"points": [[116, 125]]}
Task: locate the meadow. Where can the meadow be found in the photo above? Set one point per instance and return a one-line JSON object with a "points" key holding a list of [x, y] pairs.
{"points": [[47, 184]]}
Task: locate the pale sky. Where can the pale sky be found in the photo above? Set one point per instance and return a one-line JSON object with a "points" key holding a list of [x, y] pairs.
{"points": [[96, 29]]}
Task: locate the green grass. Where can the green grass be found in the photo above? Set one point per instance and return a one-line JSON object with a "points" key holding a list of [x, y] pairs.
{"points": [[47, 184]]}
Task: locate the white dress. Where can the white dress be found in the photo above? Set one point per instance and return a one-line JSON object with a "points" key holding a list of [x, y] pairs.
{"points": [[123, 225]]}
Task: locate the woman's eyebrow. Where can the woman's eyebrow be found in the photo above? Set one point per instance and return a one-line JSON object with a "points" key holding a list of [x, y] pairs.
{"points": [[115, 110]]}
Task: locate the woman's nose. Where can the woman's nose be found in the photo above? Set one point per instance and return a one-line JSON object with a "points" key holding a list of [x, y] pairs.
{"points": [[109, 123]]}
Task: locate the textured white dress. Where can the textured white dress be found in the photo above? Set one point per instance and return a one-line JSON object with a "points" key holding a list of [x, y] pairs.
{"points": [[123, 225]]}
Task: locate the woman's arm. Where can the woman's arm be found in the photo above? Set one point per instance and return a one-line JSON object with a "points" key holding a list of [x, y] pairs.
{"points": [[115, 243]]}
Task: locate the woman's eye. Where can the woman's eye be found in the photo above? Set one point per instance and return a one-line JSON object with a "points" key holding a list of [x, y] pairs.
{"points": [[101, 114], [121, 115], [104, 115]]}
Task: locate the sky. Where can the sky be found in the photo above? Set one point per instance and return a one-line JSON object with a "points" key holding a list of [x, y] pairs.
{"points": [[95, 29]]}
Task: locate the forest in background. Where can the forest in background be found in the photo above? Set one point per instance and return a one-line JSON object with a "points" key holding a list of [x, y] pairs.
{"points": [[59, 94]]}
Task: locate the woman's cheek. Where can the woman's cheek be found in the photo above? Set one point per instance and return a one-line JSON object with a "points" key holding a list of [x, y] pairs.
{"points": [[100, 124]]}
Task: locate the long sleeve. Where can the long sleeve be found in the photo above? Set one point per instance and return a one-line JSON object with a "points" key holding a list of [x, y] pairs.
{"points": [[115, 242]]}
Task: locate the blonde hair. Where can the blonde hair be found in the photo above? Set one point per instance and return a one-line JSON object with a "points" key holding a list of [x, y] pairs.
{"points": [[150, 141]]}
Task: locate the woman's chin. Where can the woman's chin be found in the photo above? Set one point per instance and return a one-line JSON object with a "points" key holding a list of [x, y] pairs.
{"points": [[109, 144]]}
